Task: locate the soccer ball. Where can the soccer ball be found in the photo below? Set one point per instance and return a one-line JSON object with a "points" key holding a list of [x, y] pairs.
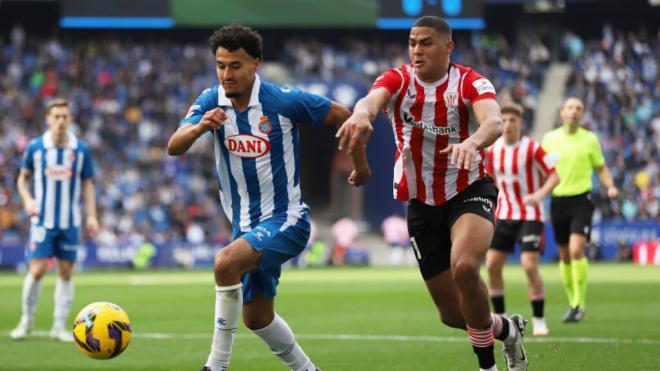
{"points": [[102, 330]]}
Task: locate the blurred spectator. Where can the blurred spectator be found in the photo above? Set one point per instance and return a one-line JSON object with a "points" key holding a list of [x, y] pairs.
{"points": [[395, 232]]}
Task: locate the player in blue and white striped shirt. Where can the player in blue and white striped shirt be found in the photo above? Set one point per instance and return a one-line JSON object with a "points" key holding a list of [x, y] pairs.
{"points": [[61, 166], [255, 132]]}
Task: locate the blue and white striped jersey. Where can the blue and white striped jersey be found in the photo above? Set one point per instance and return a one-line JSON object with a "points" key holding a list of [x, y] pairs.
{"points": [[257, 152], [58, 173]]}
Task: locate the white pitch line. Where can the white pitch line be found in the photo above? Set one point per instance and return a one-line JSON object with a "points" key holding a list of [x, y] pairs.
{"points": [[393, 338]]}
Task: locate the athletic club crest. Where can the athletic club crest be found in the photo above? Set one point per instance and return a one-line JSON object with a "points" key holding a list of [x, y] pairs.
{"points": [[265, 126], [451, 99]]}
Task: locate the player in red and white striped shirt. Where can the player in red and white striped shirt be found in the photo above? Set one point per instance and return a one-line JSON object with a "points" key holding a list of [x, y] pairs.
{"points": [[444, 115], [524, 176]]}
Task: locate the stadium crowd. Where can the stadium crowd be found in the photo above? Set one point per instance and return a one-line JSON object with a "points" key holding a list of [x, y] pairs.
{"points": [[617, 76], [127, 98]]}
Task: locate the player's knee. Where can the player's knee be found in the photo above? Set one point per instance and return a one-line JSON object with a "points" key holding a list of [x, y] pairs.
{"points": [[494, 269], [466, 274], [256, 322], [225, 264]]}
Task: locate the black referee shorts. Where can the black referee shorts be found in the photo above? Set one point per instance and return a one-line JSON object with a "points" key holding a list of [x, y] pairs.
{"points": [[430, 226], [571, 214]]}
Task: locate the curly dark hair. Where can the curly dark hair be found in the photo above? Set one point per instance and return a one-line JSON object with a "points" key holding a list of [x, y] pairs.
{"points": [[234, 37]]}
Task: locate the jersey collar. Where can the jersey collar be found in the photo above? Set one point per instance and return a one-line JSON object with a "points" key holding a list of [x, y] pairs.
{"points": [[72, 143], [223, 101]]}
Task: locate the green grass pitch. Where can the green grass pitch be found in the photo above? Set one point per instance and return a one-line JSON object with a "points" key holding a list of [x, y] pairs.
{"points": [[345, 319]]}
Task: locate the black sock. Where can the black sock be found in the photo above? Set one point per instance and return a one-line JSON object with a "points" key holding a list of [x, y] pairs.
{"points": [[485, 355], [505, 328], [537, 307], [498, 304]]}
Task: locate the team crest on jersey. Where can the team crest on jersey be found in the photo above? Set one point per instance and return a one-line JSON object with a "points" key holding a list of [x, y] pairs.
{"points": [[247, 145], [451, 99], [265, 126]]}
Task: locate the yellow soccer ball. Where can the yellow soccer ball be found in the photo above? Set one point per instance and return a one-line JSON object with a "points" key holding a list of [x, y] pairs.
{"points": [[102, 330]]}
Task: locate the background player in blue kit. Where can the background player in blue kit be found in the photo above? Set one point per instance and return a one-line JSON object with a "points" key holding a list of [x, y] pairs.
{"points": [[61, 166], [255, 134]]}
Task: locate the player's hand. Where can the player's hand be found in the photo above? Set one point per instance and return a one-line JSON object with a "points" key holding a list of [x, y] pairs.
{"points": [[612, 192], [92, 226], [213, 119], [31, 208], [532, 199], [355, 131], [359, 177], [462, 154]]}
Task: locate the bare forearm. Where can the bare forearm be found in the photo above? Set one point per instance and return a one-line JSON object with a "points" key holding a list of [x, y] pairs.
{"points": [[367, 106], [549, 185], [359, 158], [183, 138], [488, 132], [90, 198], [24, 188], [605, 176]]}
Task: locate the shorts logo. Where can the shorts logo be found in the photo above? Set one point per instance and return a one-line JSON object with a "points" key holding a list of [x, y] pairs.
{"points": [[586, 229], [265, 125], [261, 232], [38, 234], [534, 239], [247, 145], [486, 204]]}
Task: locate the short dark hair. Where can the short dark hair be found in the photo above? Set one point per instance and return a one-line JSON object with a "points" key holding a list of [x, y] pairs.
{"points": [[435, 23], [56, 102], [512, 107], [234, 37]]}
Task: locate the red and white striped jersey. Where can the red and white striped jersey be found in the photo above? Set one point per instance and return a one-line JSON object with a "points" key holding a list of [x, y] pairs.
{"points": [[519, 169], [426, 118]]}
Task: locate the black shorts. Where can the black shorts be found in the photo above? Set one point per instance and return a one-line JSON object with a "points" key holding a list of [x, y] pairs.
{"points": [[430, 226], [571, 214], [528, 232]]}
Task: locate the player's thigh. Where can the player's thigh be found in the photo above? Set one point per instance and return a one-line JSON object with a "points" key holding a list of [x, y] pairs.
{"points": [[471, 235], [38, 267], [429, 237], [65, 268], [237, 257]]}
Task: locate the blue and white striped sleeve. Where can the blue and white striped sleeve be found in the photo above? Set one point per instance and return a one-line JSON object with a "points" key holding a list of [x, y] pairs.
{"points": [[206, 101]]}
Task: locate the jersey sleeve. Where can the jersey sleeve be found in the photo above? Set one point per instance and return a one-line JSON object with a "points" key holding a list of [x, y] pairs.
{"points": [[596, 153], [88, 169], [477, 87], [543, 161], [206, 101], [391, 80], [303, 107]]}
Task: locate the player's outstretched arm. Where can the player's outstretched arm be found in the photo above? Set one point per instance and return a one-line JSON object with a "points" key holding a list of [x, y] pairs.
{"points": [[357, 129], [488, 115], [361, 172], [186, 135], [24, 190], [90, 206]]}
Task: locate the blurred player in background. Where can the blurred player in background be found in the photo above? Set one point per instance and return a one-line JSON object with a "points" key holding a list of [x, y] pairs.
{"points": [[254, 125], [578, 153], [444, 115], [62, 168], [524, 177]]}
